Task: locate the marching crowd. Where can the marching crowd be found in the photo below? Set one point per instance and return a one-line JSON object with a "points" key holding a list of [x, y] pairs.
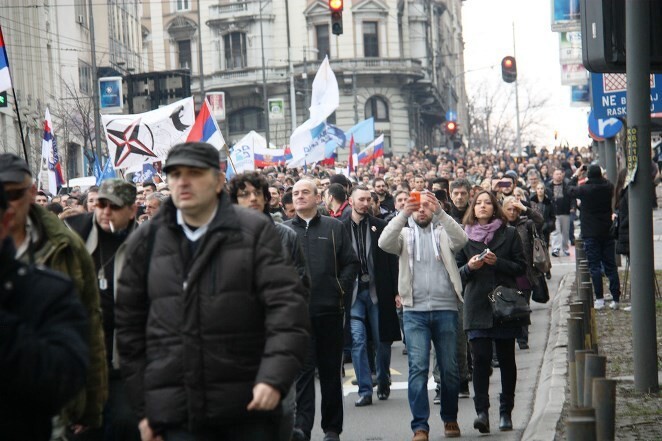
{"points": [[200, 309]]}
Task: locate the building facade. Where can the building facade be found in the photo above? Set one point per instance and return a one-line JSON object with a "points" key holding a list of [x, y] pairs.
{"points": [[400, 62]]}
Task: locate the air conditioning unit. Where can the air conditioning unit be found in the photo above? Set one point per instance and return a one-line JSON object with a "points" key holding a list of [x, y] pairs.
{"points": [[80, 19]]}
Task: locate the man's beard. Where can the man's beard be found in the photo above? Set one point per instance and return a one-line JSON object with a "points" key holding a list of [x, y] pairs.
{"points": [[423, 224]]}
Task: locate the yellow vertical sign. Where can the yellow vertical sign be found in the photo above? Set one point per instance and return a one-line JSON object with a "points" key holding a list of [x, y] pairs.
{"points": [[632, 149]]}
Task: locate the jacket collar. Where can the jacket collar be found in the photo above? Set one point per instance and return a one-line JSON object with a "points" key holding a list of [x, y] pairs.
{"points": [[301, 222], [226, 215]]}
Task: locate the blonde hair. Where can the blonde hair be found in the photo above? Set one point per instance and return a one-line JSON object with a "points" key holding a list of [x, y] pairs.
{"points": [[508, 200]]}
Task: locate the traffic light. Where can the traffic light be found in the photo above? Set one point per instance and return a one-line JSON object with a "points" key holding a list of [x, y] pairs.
{"points": [[450, 127], [3, 99], [336, 7], [509, 69]]}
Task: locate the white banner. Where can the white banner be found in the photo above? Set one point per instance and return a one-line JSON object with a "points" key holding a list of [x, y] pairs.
{"points": [[147, 137], [243, 152]]}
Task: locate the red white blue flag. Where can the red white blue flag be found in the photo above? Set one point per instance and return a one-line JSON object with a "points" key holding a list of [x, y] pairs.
{"points": [[5, 78], [50, 175], [205, 128], [372, 152]]}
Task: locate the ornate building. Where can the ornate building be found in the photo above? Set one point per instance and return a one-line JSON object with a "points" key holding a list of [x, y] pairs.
{"points": [[398, 61]]}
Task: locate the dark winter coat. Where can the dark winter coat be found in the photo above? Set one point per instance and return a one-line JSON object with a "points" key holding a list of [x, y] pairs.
{"points": [[623, 240], [44, 352], [196, 332], [478, 284], [546, 209], [595, 211], [386, 280], [526, 224], [564, 205], [332, 262]]}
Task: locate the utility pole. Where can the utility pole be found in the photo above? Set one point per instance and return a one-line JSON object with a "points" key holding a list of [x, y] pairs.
{"points": [[610, 156], [305, 77], [293, 97], [354, 92], [200, 64], [637, 64], [264, 81], [95, 87], [519, 141]]}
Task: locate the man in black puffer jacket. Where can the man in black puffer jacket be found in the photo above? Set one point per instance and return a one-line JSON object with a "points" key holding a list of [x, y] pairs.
{"points": [[595, 216], [44, 352], [211, 318]]}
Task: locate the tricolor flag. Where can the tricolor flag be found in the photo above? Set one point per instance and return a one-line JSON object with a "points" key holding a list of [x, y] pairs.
{"points": [[351, 154], [50, 175], [372, 152], [205, 128], [5, 78]]}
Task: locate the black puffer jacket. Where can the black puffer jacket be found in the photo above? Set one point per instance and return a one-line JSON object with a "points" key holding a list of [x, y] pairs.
{"points": [[623, 239], [207, 328], [595, 211], [478, 284], [332, 262], [43, 347]]}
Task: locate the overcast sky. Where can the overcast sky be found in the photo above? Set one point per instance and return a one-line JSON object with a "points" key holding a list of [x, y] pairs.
{"points": [[488, 36]]}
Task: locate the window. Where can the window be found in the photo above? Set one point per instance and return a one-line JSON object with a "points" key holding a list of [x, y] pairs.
{"points": [[245, 120], [184, 53], [84, 77], [183, 5], [370, 40], [80, 10], [235, 50], [377, 108], [322, 34]]}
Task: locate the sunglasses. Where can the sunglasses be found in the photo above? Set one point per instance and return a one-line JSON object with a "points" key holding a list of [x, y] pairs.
{"points": [[102, 203], [14, 195]]}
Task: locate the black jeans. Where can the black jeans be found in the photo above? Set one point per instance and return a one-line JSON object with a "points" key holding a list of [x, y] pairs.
{"points": [[254, 430], [325, 352], [481, 349]]}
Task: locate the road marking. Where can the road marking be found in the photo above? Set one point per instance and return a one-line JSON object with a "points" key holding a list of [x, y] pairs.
{"points": [[349, 388]]}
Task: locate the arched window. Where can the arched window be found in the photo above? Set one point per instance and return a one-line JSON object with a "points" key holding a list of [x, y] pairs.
{"points": [[235, 50], [246, 119], [376, 107]]}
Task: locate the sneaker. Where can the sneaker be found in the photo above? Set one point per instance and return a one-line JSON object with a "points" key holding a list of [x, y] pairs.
{"points": [[464, 390], [556, 252], [627, 308], [599, 304], [608, 296], [452, 430], [566, 252], [420, 435], [437, 396], [614, 305]]}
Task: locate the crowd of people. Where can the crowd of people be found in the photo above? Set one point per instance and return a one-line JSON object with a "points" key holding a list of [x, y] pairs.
{"points": [[200, 309]]}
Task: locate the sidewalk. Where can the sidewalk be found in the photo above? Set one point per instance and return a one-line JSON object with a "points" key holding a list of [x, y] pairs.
{"points": [[552, 383]]}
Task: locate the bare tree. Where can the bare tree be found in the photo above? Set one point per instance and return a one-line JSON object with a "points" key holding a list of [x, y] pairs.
{"points": [[491, 116]]}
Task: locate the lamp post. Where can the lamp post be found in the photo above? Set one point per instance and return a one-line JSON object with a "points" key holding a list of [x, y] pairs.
{"points": [[264, 81]]}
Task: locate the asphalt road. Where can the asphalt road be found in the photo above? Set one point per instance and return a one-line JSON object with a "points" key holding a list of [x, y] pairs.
{"points": [[390, 420]]}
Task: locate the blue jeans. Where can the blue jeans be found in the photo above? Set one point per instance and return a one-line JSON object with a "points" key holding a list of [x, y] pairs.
{"points": [[364, 310], [440, 328], [601, 253]]}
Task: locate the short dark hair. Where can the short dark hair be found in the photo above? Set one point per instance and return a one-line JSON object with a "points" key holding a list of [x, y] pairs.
{"points": [[55, 207], [339, 179], [93, 189], [359, 187], [337, 192], [257, 180], [399, 192], [287, 198], [149, 184], [374, 181]]}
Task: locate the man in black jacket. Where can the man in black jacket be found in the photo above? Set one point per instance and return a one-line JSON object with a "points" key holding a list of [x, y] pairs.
{"points": [[211, 319], [373, 298], [333, 268], [595, 217], [564, 204], [43, 349]]}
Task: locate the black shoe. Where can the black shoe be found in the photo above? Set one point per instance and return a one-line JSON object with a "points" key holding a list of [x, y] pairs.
{"points": [[298, 435], [482, 422], [437, 396], [523, 344], [383, 392], [556, 252], [365, 400], [505, 423], [548, 275], [404, 351], [331, 436]]}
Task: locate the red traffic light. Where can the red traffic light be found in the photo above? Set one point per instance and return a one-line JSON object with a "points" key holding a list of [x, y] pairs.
{"points": [[336, 5], [509, 69], [450, 127]]}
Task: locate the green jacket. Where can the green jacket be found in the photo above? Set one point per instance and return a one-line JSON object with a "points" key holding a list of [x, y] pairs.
{"points": [[61, 249]]}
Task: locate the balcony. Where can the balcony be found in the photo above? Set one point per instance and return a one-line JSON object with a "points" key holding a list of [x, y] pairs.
{"points": [[246, 11], [242, 77]]}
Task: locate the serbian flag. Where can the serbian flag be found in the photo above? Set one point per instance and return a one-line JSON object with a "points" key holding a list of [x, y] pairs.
{"points": [[50, 175], [5, 78], [205, 128]]}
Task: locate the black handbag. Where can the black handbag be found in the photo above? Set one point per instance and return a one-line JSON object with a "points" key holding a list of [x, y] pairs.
{"points": [[508, 304], [540, 293]]}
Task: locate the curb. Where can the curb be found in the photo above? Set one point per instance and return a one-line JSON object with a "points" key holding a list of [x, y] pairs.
{"points": [[551, 389]]}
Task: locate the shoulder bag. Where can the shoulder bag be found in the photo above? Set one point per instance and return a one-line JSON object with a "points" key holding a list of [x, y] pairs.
{"points": [[508, 304], [541, 260]]}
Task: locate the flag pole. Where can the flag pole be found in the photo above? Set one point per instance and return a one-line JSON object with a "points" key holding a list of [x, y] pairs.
{"points": [[18, 114]]}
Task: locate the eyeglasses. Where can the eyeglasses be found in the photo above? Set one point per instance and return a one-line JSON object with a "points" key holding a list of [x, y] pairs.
{"points": [[247, 194], [16, 194], [102, 203]]}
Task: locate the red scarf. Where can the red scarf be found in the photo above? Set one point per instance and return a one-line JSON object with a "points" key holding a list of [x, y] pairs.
{"points": [[338, 213]]}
